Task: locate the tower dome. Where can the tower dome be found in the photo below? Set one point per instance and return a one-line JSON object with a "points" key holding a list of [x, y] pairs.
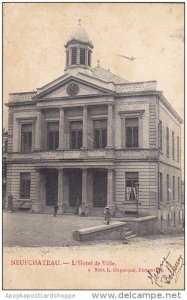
{"points": [[80, 35], [78, 49]]}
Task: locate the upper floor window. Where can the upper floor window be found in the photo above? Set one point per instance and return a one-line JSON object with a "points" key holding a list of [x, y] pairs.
{"points": [[173, 145], [100, 134], [132, 132], [178, 149], [25, 182], [76, 135], [167, 141], [160, 135], [73, 56], [26, 137], [53, 135], [82, 56], [131, 180]]}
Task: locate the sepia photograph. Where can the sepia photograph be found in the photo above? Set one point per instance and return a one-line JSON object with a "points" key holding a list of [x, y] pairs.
{"points": [[93, 146]]}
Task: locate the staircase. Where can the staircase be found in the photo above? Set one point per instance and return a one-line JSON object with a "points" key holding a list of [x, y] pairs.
{"points": [[127, 234]]}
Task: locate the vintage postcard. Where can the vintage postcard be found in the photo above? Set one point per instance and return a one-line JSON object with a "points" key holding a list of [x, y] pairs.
{"points": [[93, 146]]}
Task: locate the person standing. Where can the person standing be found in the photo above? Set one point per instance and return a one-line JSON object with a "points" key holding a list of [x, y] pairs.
{"points": [[83, 209], [107, 215], [55, 208]]}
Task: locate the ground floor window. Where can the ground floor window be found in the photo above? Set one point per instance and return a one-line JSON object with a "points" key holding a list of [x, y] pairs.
{"points": [[25, 183], [131, 181]]}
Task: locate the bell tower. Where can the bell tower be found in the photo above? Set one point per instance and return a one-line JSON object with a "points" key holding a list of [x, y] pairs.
{"points": [[78, 51]]}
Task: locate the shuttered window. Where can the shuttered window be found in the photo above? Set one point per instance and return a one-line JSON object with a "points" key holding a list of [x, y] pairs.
{"points": [[53, 136], [73, 56], [26, 137], [89, 58], [82, 56], [132, 132], [25, 182]]}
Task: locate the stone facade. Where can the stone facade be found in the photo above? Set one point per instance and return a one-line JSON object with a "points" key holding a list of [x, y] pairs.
{"points": [[91, 136]]}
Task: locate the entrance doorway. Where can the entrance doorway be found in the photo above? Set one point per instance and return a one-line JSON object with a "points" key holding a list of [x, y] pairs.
{"points": [[75, 186], [99, 188], [51, 186]]}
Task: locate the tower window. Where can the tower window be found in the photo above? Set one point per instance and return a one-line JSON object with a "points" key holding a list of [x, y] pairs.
{"points": [[67, 58], [74, 56], [82, 56], [89, 58]]}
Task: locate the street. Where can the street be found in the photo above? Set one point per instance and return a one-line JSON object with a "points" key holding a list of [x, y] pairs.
{"points": [[44, 230]]}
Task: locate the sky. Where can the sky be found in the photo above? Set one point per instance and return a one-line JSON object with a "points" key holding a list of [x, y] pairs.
{"points": [[34, 35]]}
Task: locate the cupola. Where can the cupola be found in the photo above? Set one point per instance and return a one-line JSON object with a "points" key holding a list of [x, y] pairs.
{"points": [[78, 49]]}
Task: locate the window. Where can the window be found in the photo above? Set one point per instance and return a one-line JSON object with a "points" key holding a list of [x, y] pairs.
{"points": [[82, 56], [25, 182], [100, 134], [173, 145], [131, 125], [167, 140], [73, 56], [168, 189], [76, 135], [26, 137], [160, 187], [179, 189], [89, 58], [53, 136], [173, 188], [178, 149], [131, 179], [160, 135]]}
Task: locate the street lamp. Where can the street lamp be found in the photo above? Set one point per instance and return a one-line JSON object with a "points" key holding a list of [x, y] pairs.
{"points": [[136, 185]]}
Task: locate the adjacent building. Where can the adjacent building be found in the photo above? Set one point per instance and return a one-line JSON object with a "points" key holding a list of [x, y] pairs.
{"points": [[94, 137]]}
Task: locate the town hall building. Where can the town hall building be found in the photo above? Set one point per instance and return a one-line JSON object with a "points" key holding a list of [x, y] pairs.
{"points": [[93, 137]]}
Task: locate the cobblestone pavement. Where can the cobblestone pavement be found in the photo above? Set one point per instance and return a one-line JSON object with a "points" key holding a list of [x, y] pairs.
{"points": [[44, 230]]}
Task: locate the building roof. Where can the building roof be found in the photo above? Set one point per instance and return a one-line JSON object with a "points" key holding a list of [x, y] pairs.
{"points": [[107, 76]]}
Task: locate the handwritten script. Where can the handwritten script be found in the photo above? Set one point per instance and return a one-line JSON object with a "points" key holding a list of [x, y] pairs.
{"points": [[167, 272]]}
